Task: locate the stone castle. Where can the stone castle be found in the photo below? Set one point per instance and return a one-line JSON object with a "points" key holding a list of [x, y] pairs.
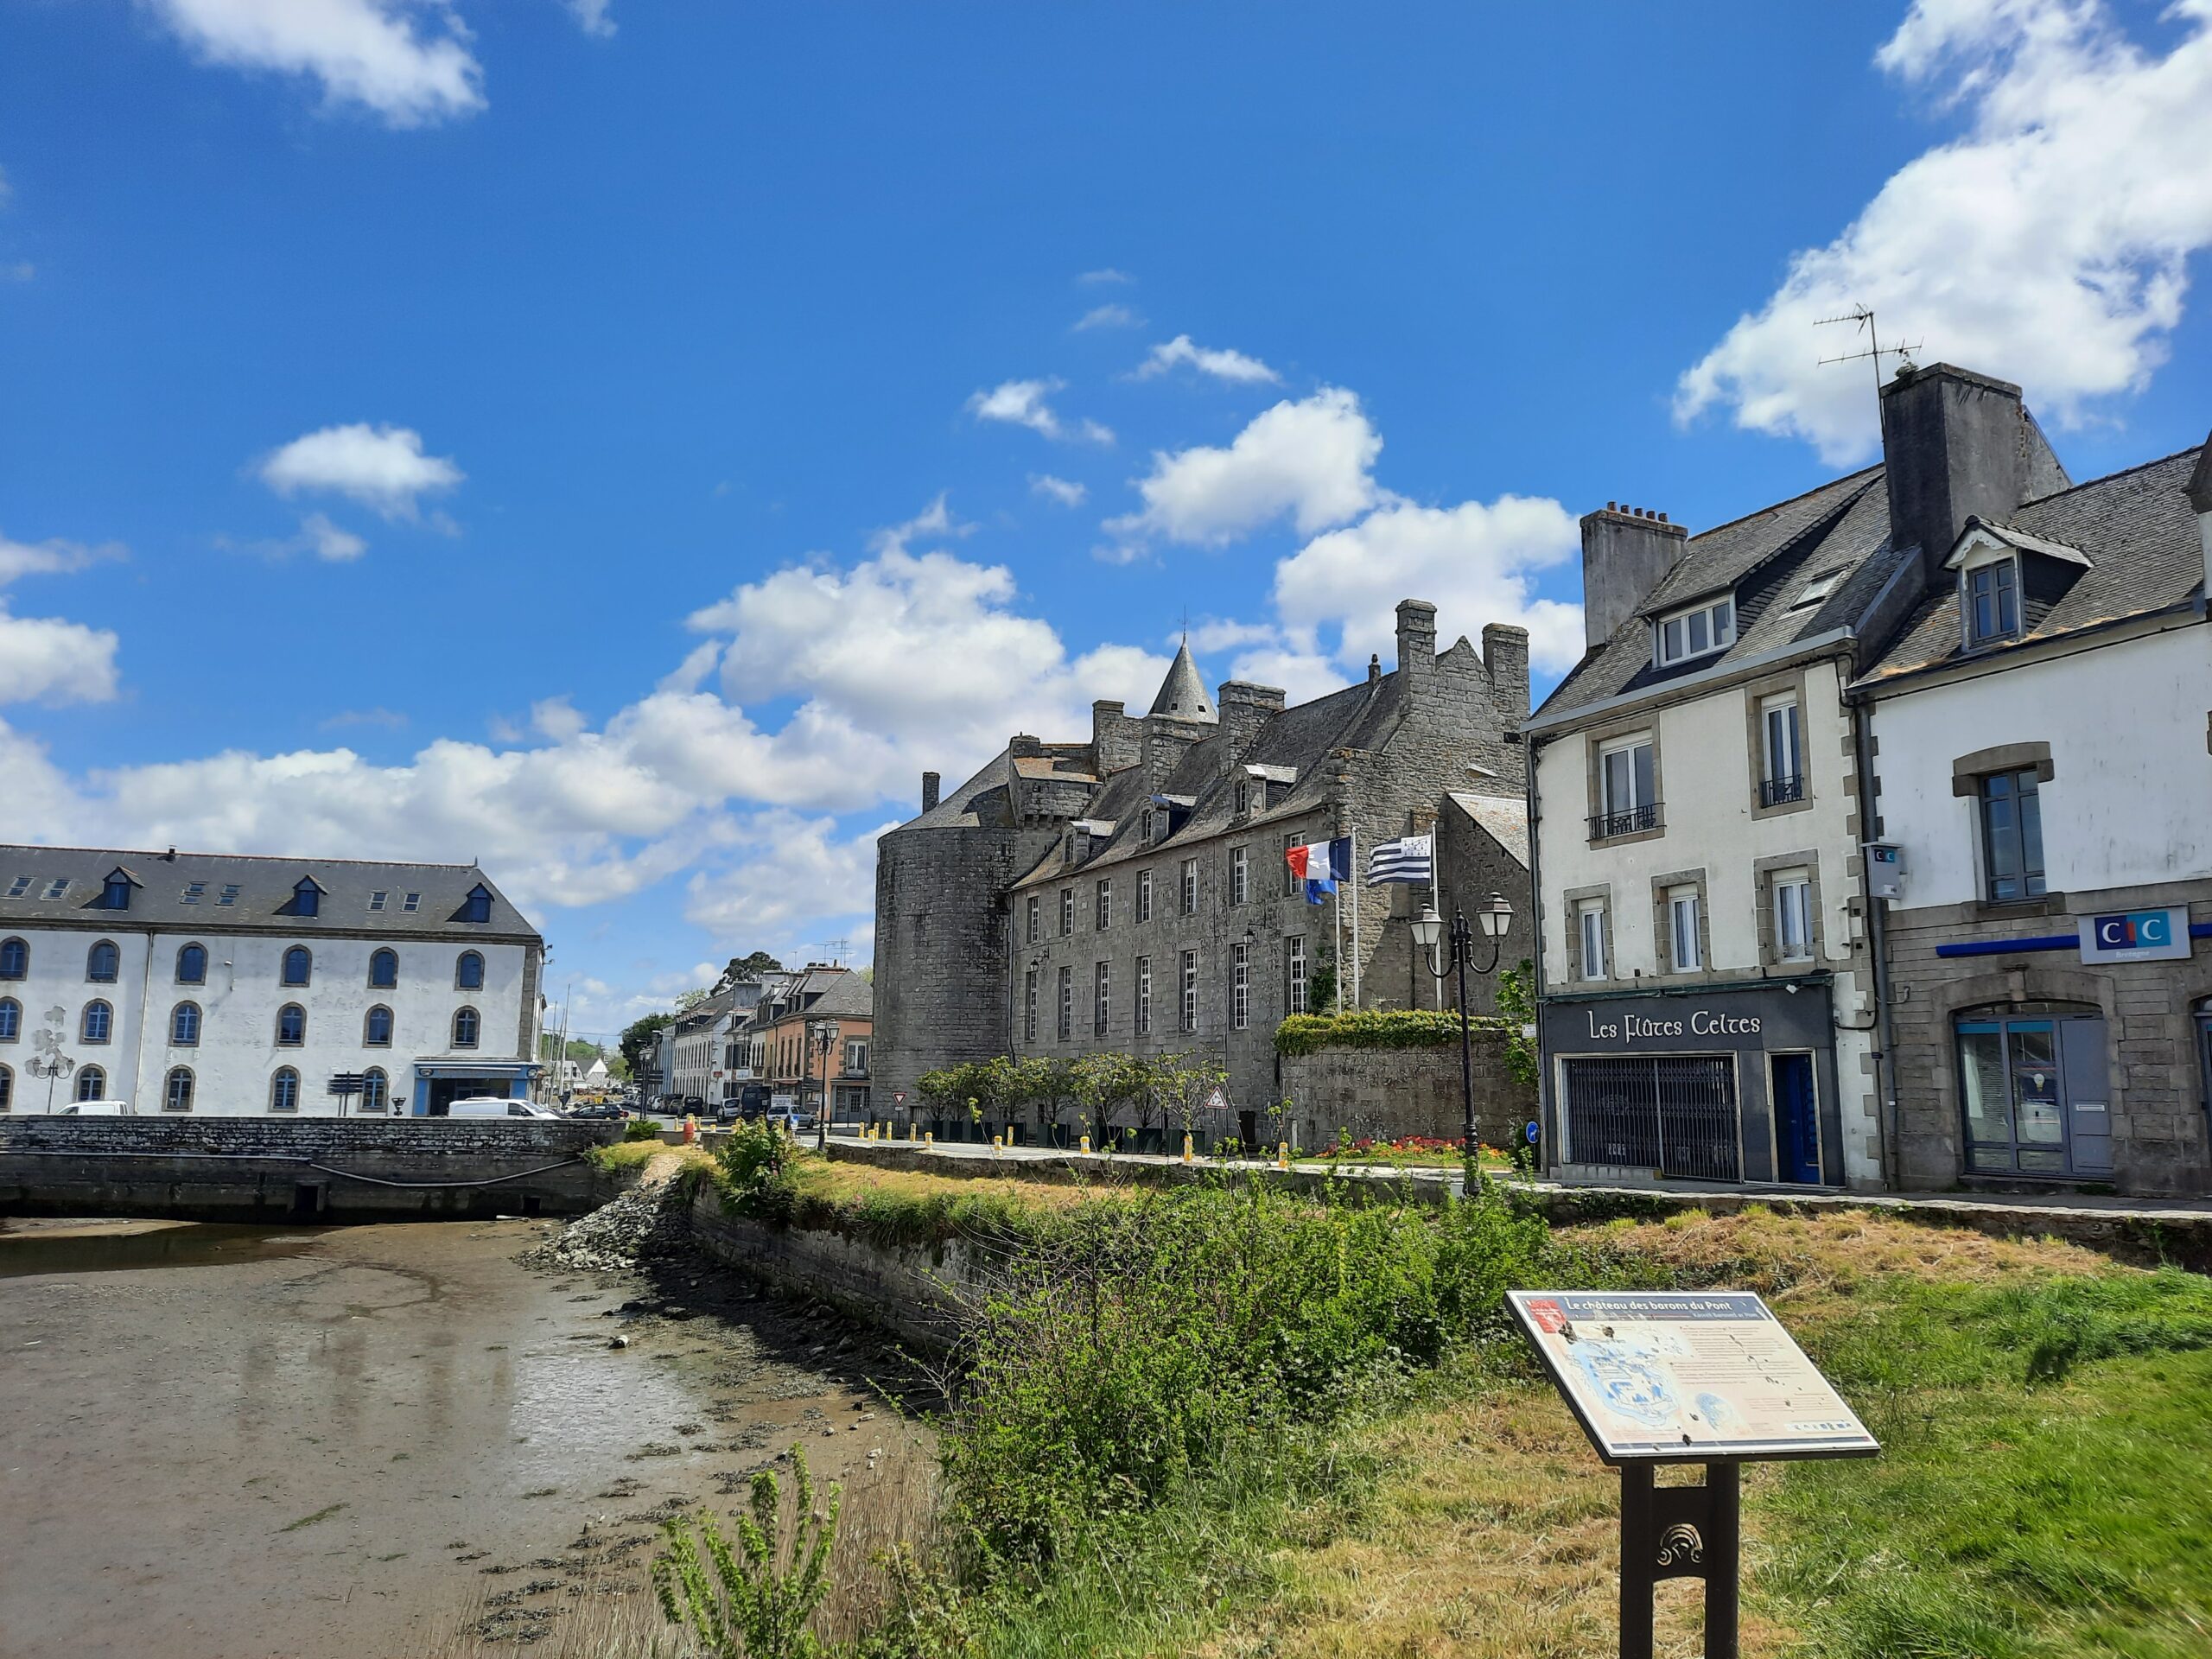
{"points": [[1131, 892]]}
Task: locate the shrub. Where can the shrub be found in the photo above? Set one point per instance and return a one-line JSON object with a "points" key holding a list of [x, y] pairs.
{"points": [[753, 1606], [1304, 1034], [755, 1159], [640, 1128]]}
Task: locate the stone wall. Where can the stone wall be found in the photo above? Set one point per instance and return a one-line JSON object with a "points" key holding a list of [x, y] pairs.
{"points": [[303, 1169], [1387, 1094]]}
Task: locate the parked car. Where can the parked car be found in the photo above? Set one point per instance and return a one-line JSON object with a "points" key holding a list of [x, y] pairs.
{"points": [[729, 1111], [694, 1103], [609, 1110], [497, 1106], [96, 1109]]}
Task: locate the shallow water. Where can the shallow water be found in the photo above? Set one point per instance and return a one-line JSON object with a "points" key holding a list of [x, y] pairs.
{"points": [[228, 1442]]}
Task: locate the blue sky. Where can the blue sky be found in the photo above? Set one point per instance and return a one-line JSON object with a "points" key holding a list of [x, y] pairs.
{"points": [[626, 442]]}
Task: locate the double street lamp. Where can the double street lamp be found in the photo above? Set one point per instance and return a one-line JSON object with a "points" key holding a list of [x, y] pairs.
{"points": [[825, 1039], [1493, 916]]}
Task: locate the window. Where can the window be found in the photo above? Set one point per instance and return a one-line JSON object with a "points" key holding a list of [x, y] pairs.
{"points": [[1293, 997], [1289, 877], [1102, 978], [7, 1089], [11, 1020], [96, 1024], [103, 963], [468, 971], [376, 1028], [1627, 785], [91, 1083], [856, 1059], [291, 1026], [1190, 887], [384, 970], [19, 886], [1102, 910], [1697, 632], [1141, 1011], [375, 1090], [2035, 1089], [54, 889], [1190, 1010], [2011, 836], [1144, 895], [377, 898], [477, 907], [15, 959], [466, 1025], [1685, 951], [1029, 1005], [115, 893], [1783, 773], [1793, 916], [411, 903], [284, 1090], [1067, 912], [1992, 594], [176, 1090], [1240, 985], [1239, 875], [1064, 1025], [1816, 588], [307, 897], [1243, 796], [184, 1026], [192, 965], [298, 965], [1036, 918], [1590, 923], [194, 892], [229, 894]]}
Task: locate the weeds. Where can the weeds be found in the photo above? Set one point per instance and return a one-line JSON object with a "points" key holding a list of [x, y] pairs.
{"points": [[757, 1603]]}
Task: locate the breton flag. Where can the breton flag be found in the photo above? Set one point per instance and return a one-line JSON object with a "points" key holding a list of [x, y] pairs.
{"points": [[1409, 858], [1321, 865]]}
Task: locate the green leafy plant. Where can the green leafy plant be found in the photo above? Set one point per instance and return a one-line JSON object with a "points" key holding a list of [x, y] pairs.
{"points": [[1306, 1033], [755, 1159], [751, 1603], [641, 1129], [1517, 1011]]}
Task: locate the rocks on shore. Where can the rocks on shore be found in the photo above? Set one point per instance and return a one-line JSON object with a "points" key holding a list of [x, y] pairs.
{"points": [[646, 1223]]}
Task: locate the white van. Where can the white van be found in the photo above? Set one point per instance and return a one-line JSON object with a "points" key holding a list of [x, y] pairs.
{"points": [[496, 1106], [96, 1108]]}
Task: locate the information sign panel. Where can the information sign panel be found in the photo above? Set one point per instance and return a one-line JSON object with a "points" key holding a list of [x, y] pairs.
{"points": [[1687, 1376]]}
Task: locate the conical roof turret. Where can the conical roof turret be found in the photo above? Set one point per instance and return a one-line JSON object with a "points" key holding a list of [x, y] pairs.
{"points": [[1183, 694]]}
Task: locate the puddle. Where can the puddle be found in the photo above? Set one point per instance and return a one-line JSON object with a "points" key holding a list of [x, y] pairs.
{"points": [[77, 1247]]}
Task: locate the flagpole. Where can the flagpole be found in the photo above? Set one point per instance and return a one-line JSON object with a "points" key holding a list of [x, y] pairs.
{"points": [[1354, 878], [1340, 908]]}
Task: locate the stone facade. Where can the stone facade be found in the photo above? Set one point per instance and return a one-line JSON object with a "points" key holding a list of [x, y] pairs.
{"points": [[1387, 1094]]}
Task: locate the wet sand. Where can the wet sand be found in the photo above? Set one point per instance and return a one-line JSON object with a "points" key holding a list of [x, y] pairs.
{"points": [[225, 1443]]}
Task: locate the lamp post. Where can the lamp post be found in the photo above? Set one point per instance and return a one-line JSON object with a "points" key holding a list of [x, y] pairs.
{"points": [[825, 1038], [1493, 915]]}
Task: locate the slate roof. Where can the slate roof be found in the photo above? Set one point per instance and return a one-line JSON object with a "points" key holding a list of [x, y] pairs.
{"points": [[1183, 694], [263, 902], [1765, 559], [2140, 534], [1504, 818]]}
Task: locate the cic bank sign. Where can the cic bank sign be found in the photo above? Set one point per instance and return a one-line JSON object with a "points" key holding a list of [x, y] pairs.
{"points": [[2136, 936]]}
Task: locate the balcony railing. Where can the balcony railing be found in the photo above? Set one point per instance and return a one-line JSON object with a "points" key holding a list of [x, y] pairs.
{"points": [[1776, 792], [1634, 821]]}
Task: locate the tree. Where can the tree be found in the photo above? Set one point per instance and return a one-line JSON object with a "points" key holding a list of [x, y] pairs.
{"points": [[638, 1040], [750, 967], [1106, 1082], [1185, 1081], [686, 1000]]}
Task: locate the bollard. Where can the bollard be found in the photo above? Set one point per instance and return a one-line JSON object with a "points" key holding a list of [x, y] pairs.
{"points": [[690, 1129], [910, 1128], [1086, 1145], [996, 1147], [1283, 1154], [1187, 1148], [929, 1138]]}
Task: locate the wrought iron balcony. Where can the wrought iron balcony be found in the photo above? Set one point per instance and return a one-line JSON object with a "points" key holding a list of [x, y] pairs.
{"points": [[1775, 791], [1635, 820]]}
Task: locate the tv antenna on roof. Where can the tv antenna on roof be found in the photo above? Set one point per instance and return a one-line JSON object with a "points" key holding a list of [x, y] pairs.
{"points": [[1864, 317]]}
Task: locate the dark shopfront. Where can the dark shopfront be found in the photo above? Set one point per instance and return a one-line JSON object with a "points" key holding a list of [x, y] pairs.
{"points": [[1724, 1084]]}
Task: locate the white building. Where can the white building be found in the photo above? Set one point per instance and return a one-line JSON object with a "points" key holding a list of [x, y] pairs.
{"points": [[199, 982]]}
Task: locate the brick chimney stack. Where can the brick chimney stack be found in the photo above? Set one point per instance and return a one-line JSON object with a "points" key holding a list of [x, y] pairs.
{"points": [[1626, 554], [930, 784], [1956, 444]]}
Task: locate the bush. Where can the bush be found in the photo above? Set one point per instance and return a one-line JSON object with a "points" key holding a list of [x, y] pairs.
{"points": [[640, 1128], [754, 1159], [1304, 1034]]}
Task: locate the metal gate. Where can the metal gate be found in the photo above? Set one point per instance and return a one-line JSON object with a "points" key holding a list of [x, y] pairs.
{"points": [[1674, 1113]]}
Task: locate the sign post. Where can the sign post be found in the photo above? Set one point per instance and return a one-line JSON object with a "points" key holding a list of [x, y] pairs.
{"points": [[346, 1085], [1684, 1376]]}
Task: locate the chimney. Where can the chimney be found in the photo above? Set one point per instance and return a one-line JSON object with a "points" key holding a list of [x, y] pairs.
{"points": [[1626, 554], [1244, 709], [931, 783], [1416, 644], [1505, 656], [1116, 740], [2200, 497], [1956, 444]]}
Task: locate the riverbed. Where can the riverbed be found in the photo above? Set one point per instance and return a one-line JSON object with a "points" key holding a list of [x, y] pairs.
{"points": [[225, 1443]]}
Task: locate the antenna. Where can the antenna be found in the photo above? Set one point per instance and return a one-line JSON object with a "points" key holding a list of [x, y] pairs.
{"points": [[1875, 352]]}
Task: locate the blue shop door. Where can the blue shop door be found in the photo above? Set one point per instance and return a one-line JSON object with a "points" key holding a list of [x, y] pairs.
{"points": [[1796, 1124]]}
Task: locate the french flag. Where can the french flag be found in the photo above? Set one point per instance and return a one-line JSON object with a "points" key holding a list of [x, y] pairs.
{"points": [[1320, 865]]}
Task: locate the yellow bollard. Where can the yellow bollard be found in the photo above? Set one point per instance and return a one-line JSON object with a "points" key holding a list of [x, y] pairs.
{"points": [[929, 1138], [1085, 1144], [996, 1147], [910, 1129], [1187, 1148], [1283, 1154]]}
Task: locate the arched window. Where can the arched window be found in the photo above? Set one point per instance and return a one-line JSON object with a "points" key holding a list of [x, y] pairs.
{"points": [[297, 965], [192, 965], [376, 1030], [184, 1026], [464, 1026], [291, 1026], [11, 1020], [103, 962], [176, 1091], [15, 959], [97, 1026], [7, 1089], [91, 1083], [375, 1090], [468, 971], [284, 1090], [384, 970]]}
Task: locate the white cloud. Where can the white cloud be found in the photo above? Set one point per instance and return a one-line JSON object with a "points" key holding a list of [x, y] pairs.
{"points": [[1311, 461], [1302, 675], [391, 719], [328, 542], [799, 870], [20, 270], [1109, 316], [2048, 245], [1221, 633], [1022, 402], [52, 558], [592, 17], [7, 189], [382, 467], [46, 660], [1106, 274], [934, 523], [1223, 365], [1066, 491], [557, 719], [368, 53]]}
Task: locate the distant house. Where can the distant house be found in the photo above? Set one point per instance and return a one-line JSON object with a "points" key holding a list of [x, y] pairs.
{"points": [[812, 1031]]}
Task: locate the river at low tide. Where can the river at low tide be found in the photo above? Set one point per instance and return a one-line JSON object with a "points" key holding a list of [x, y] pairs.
{"points": [[226, 1443]]}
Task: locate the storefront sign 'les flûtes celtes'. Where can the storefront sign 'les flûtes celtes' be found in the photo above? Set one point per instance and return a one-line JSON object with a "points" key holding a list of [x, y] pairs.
{"points": [[1628, 1029]]}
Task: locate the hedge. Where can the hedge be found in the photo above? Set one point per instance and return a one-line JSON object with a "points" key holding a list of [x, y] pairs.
{"points": [[1306, 1033]]}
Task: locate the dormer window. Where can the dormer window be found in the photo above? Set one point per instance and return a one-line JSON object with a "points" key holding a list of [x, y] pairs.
{"points": [[477, 907], [1698, 632], [1991, 593], [1243, 796], [115, 893], [307, 897]]}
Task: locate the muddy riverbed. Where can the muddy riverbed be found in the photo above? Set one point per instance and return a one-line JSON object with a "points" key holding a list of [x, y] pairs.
{"points": [[225, 1443]]}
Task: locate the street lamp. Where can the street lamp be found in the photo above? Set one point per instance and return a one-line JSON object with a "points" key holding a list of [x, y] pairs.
{"points": [[1493, 915], [825, 1038]]}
